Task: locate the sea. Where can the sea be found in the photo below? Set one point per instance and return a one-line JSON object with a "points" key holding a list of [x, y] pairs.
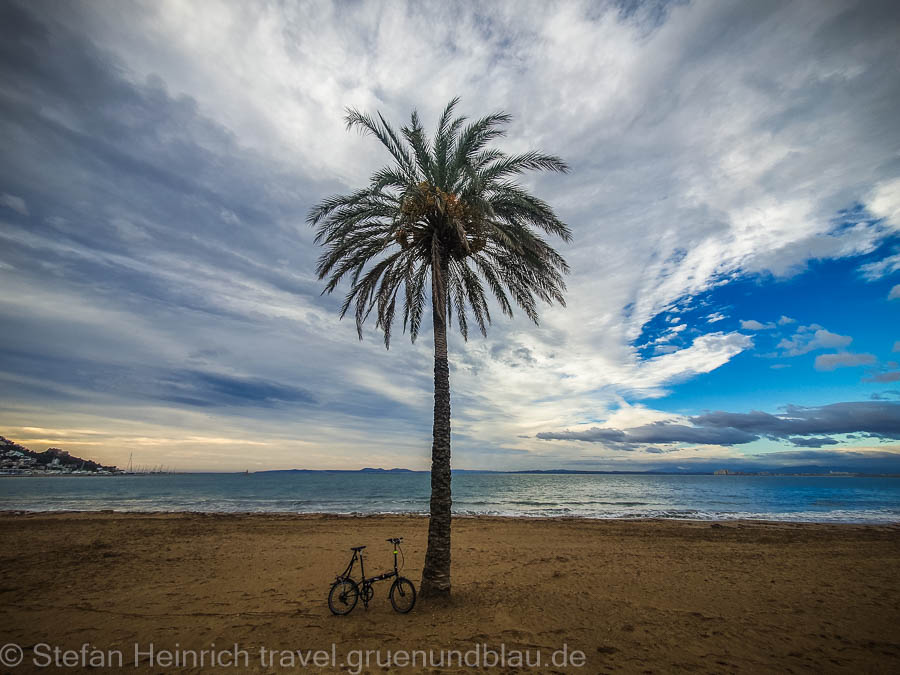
{"points": [[827, 499]]}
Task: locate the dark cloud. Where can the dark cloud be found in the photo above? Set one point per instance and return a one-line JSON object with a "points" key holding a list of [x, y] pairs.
{"points": [[99, 380], [888, 395], [592, 435], [814, 442], [884, 377], [873, 419], [513, 356], [658, 432], [877, 418], [662, 432], [204, 389]]}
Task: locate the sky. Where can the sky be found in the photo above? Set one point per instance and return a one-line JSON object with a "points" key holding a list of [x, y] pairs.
{"points": [[734, 300]]}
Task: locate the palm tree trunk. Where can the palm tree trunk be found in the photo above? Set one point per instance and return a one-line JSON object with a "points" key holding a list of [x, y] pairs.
{"points": [[436, 574]]}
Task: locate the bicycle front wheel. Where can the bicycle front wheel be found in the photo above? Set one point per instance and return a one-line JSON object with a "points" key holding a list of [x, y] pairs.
{"points": [[343, 596], [403, 595]]}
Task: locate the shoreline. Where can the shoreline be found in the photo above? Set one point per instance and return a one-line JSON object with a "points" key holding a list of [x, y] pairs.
{"points": [[318, 515]]}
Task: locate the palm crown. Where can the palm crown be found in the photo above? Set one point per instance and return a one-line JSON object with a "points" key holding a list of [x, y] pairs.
{"points": [[449, 205]]}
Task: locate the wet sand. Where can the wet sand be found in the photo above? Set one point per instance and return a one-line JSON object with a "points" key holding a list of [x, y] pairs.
{"points": [[633, 596]]}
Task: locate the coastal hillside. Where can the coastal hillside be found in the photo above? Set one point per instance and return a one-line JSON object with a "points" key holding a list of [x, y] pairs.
{"points": [[17, 460]]}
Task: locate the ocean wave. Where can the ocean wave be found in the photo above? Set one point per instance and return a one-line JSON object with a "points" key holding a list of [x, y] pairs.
{"points": [[887, 516], [827, 500]]}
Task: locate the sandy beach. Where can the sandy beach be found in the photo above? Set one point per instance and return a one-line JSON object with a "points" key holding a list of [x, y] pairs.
{"points": [[633, 596]]}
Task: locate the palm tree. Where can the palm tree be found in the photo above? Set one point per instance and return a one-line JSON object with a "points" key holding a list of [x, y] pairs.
{"points": [[449, 216]]}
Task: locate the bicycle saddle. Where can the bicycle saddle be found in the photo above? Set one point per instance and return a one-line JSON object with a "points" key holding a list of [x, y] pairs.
{"points": [[357, 548]]}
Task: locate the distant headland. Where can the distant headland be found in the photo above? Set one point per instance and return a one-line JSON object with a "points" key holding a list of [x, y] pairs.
{"points": [[17, 460], [366, 470]]}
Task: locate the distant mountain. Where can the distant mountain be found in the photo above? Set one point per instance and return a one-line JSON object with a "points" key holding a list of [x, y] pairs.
{"points": [[577, 471], [366, 470]]}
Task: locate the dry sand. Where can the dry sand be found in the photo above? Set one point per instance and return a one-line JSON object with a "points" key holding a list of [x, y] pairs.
{"points": [[634, 596]]}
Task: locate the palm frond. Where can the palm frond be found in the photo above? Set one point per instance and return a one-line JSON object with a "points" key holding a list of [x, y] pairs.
{"points": [[446, 219]]}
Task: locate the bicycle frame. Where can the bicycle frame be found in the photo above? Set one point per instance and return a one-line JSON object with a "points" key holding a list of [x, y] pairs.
{"points": [[357, 555]]}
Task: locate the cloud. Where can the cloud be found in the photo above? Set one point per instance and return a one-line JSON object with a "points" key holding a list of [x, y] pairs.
{"points": [[843, 360], [706, 353], [17, 204], [810, 338], [714, 317], [885, 395], [756, 325], [661, 432], [722, 428], [814, 442], [205, 389], [785, 320], [894, 293], [826, 340], [592, 435], [884, 202], [880, 419], [658, 432], [881, 268], [884, 377]]}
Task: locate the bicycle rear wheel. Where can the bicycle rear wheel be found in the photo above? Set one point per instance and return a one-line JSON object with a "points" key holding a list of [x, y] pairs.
{"points": [[343, 596], [403, 595]]}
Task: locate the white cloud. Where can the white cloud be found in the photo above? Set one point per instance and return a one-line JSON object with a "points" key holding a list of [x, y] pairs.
{"points": [[884, 202], [128, 231], [17, 204], [707, 353], [714, 317], [826, 340], [670, 333], [785, 320], [812, 337], [894, 293], [752, 324], [881, 268], [229, 217], [842, 360]]}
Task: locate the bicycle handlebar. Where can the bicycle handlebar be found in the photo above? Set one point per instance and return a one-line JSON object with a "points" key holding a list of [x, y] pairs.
{"points": [[395, 540]]}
